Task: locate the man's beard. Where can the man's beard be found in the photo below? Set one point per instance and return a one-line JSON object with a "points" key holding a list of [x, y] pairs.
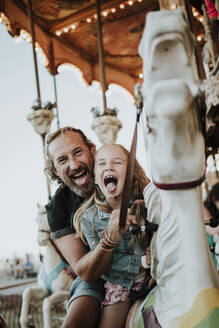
{"points": [[83, 192]]}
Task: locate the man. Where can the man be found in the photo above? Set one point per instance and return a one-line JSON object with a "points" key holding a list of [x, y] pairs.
{"points": [[70, 162]]}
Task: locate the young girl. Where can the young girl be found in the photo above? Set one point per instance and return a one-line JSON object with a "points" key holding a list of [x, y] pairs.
{"points": [[96, 220]]}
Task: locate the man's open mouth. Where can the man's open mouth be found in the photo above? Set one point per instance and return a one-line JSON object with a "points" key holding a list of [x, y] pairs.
{"points": [[80, 178], [110, 182]]}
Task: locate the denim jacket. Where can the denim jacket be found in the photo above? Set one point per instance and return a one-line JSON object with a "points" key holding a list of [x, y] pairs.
{"points": [[124, 263]]}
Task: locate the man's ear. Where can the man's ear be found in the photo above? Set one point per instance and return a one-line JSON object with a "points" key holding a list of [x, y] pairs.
{"points": [[54, 171], [93, 150]]}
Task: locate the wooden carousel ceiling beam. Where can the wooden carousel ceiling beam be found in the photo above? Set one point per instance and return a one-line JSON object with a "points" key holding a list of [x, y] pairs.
{"points": [[82, 14]]}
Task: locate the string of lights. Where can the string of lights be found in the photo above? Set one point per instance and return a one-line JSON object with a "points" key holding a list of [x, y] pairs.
{"points": [[104, 13], [24, 35]]}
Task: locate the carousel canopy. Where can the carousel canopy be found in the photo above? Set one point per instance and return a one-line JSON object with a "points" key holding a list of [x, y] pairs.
{"points": [[66, 33]]}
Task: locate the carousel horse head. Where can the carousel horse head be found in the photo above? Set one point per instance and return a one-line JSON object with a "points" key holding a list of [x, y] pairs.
{"points": [[170, 115], [176, 149]]}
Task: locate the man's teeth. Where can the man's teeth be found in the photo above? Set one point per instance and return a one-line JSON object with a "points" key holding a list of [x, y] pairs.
{"points": [[78, 175]]}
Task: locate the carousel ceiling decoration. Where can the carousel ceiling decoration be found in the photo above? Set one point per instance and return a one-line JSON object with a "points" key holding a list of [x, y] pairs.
{"points": [[67, 33]]}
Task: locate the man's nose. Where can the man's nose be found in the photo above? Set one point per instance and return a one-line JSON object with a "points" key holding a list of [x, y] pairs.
{"points": [[73, 164]]}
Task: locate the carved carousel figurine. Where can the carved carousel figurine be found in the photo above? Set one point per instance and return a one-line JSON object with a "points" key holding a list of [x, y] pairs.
{"points": [[54, 279], [41, 118], [106, 125]]}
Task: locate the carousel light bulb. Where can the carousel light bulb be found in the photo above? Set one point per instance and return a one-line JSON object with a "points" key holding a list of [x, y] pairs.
{"points": [[122, 6], [23, 35], [130, 2], [58, 33], [173, 6], [201, 19], [141, 75], [95, 16], [73, 26], [66, 30], [104, 13], [139, 0], [199, 38], [88, 20], [113, 10], [195, 14]]}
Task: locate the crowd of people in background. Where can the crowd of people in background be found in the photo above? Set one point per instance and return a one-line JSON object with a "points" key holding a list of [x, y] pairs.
{"points": [[20, 268]]}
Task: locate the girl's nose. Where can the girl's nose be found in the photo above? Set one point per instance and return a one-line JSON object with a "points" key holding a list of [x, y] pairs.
{"points": [[109, 167]]}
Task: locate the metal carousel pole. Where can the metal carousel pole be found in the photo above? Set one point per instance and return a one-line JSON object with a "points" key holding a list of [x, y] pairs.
{"points": [[40, 117], [54, 72], [106, 124], [101, 59]]}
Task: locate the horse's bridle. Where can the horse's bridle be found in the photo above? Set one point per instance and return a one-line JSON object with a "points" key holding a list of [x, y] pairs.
{"points": [[180, 185]]}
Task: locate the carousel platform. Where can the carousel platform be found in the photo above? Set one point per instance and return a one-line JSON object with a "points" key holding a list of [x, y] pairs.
{"points": [[10, 308]]}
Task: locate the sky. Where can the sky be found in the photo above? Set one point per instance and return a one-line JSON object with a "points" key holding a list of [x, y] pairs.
{"points": [[23, 183]]}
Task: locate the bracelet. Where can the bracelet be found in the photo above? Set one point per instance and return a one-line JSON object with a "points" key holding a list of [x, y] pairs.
{"points": [[144, 263], [110, 240], [106, 243]]}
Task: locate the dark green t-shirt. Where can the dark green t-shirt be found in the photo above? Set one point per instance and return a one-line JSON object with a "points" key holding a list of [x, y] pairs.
{"points": [[60, 211]]}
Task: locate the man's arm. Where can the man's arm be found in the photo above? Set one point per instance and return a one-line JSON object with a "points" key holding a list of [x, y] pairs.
{"points": [[93, 264], [96, 262], [88, 265]]}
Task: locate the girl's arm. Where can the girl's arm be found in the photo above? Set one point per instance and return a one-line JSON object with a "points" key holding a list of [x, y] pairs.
{"points": [[91, 266]]}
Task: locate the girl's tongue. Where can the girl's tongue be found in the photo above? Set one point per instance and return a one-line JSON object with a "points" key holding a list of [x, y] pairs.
{"points": [[111, 187]]}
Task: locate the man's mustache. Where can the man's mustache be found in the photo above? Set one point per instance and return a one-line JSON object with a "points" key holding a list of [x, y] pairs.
{"points": [[79, 170]]}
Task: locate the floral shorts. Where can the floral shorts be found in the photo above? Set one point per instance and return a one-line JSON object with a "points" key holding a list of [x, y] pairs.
{"points": [[117, 293]]}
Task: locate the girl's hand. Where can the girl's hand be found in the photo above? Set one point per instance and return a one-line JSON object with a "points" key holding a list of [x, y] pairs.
{"points": [[114, 230]]}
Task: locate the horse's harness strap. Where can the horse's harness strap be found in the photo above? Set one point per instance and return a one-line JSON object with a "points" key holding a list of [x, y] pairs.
{"points": [[49, 277], [54, 245], [126, 195], [180, 185]]}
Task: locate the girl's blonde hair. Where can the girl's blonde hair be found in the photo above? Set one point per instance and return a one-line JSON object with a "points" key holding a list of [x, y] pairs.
{"points": [[140, 181]]}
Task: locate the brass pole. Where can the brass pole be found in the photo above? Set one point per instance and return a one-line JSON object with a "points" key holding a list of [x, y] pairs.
{"points": [[29, 7], [56, 100], [101, 55], [53, 71], [44, 157]]}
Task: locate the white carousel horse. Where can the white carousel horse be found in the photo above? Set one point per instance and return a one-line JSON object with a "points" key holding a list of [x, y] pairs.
{"points": [[54, 278], [187, 291]]}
